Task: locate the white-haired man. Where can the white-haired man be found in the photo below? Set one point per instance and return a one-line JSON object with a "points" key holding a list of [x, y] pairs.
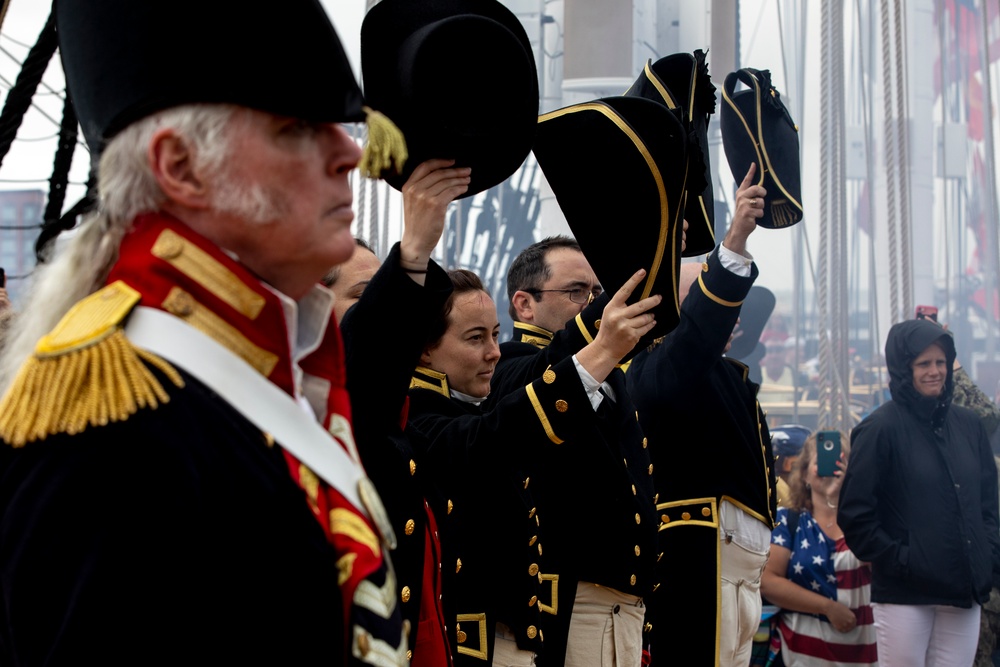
{"points": [[178, 479]]}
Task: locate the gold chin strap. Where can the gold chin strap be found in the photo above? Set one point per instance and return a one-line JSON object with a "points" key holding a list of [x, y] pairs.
{"points": [[385, 148]]}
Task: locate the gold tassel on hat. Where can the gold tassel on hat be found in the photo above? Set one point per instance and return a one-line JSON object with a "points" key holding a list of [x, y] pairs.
{"points": [[385, 148], [84, 373]]}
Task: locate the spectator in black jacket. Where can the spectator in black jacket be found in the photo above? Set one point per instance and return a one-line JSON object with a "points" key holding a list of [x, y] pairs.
{"points": [[920, 503]]}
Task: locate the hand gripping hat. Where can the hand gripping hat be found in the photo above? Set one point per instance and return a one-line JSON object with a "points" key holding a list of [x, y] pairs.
{"points": [[616, 166], [458, 77], [756, 127], [127, 59], [681, 81]]}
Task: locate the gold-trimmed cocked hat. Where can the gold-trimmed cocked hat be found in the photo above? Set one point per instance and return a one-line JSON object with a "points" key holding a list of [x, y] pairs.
{"points": [[458, 77], [757, 128], [681, 81], [616, 166]]}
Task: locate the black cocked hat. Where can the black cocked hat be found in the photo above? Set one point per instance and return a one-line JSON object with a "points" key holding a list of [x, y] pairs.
{"points": [[754, 314], [757, 128], [127, 59], [458, 77], [616, 166], [681, 81]]}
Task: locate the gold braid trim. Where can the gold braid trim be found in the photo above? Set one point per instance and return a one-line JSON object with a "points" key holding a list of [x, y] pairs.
{"points": [[84, 373], [385, 148]]}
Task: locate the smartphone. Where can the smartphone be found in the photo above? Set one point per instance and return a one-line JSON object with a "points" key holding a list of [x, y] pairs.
{"points": [[927, 313], [827, 452]]}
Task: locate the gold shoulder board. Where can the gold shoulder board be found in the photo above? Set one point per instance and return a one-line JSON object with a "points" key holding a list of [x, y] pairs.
{"points": [[85, 372]]}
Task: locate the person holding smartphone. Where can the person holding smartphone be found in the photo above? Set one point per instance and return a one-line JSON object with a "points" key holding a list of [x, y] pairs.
{"points": [[821, 586], [919, 502]]}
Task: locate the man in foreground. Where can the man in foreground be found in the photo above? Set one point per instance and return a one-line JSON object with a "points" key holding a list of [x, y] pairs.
{"points": [[178, 478]]}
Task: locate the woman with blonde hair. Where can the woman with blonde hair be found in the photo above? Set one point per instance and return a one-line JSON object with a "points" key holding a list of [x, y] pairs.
{"points": [[822, 588]]}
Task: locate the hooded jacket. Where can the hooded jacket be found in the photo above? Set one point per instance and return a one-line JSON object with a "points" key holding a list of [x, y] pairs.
{"points": [[919, 498]]}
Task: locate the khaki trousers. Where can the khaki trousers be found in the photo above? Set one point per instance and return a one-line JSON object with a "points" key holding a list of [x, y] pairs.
{"points": [[605, 629]]}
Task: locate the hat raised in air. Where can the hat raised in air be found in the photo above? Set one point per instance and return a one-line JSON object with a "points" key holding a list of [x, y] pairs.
{"points": [[681, 81], [616, 166], [458, 77], [127, 59], [757, 128]]}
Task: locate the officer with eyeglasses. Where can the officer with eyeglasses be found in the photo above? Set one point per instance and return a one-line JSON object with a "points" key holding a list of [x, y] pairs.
{"points": [[594, 492]]}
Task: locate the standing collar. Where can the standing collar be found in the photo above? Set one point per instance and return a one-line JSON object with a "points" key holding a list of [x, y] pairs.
{"points": [[531, 334]]}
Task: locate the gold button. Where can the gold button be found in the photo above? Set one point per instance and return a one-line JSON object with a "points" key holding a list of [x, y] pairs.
{"points": [[458, 566], [632, 580], [461, 637], [637, 550], [413, 467], [538, 520], [686, 516], [648, 627], [664, 518], [704, 267], [637, 518], [637, 415], [410, 525], [650, 468], [656, 497], [549, 376], [526, 480], [531, 542], [645, 443], [625, 461], [532, 601], [533, 569], [532, 632], [705, 511], [660, 557], [168, 247], [364, 644], [409, 655], [531, 512], [451, 506], [268, 439], [597, 324], [633, 490], [562, 406], [405, 594], [180, 304], [539, 548]]}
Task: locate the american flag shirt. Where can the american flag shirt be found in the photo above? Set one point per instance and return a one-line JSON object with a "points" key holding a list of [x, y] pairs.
{"points": [[826, 567]]}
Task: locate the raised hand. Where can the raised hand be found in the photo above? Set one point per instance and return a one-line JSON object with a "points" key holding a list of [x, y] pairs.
{"points": [[749, 209], [622, 325], [426, 194]]}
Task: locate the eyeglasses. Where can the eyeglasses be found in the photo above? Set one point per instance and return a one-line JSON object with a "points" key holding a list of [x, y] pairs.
{"points": [[576, 295]]}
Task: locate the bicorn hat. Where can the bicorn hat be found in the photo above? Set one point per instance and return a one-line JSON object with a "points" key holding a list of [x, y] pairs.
{"points": [[757, 128], [681, 81], [127, 59], [754, 314], [458, 77], [616, 166]]}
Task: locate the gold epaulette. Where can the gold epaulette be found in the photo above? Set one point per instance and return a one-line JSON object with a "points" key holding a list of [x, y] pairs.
{"points": [[85, 372]]}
